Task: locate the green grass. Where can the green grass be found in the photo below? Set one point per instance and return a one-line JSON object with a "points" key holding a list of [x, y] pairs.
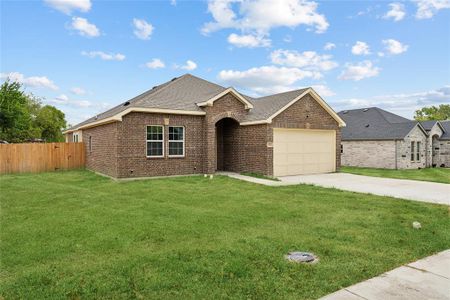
{"points": [[441, 175], [258, 175], [81, 236]]}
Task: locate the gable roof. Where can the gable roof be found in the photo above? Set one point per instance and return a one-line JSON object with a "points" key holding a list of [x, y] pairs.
{"points": [[187, 94], [446, 126], [374, 123]]}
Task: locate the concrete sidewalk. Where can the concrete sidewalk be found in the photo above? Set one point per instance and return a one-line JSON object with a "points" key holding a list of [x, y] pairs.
{"points": [[428, 278]]}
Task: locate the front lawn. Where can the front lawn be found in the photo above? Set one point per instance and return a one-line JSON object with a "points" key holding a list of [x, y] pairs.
{"points": [[441, 175], [81, 236]]}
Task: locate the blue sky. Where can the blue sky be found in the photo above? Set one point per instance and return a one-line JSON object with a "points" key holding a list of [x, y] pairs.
{"points": [[85, 56]]}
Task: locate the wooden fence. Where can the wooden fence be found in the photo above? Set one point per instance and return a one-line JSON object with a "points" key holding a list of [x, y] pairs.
{"points": [[34, 158]]}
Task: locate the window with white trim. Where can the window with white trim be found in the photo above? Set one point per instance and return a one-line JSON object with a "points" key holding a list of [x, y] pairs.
{"points": [[75, 137], [176, 141], [155, 141]]}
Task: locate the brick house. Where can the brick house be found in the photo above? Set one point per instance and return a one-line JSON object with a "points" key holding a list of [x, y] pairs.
{"points": [[376, 138], [191, 126]]}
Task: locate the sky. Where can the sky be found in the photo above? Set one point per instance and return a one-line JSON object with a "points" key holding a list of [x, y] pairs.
{"points": [[84, 56]]}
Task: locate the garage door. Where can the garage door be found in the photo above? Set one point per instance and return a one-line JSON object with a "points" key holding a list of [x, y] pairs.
{"points": [[303, 151]]}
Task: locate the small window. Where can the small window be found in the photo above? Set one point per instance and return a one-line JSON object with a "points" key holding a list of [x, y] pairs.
{"points": [[75, 138], [412, 151], [418, 151], [342, 148], [176, 141], [155, 141]]}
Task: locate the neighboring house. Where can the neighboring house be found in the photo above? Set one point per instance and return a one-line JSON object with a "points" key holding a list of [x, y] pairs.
{"points": [[189, 126], [376, 138], [438, 143]]}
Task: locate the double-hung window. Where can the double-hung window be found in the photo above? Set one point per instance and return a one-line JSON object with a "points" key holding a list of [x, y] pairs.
{"points": [[412, 151], [155, 141], [176, 141]]}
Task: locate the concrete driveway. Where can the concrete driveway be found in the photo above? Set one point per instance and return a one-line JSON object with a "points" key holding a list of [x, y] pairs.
{"points": [[399, 188]]}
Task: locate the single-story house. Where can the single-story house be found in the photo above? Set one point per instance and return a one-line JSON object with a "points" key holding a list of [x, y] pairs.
{"points": [[191, 126], [376, 138]]}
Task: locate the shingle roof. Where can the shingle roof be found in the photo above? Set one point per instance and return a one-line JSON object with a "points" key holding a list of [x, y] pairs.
{"points": [[183, 93], [374, 124], [266, 106], [428, 125], [446, 126]]}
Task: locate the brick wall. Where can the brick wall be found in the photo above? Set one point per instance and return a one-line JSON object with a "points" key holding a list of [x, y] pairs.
{"points": [[404, 150], [101, 148], [370, 154], [132, 156]]}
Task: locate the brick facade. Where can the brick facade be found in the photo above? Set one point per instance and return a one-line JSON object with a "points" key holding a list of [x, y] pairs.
{"points": [[213, 142]]}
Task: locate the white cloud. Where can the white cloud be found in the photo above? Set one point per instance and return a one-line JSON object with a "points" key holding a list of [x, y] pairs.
{"points": [[189, 66], [397, 12], [248, 40], [84, 28], [258, 17], [173, 2], [380, 54], [394, 47], [33, 81], [329, 46], [155, 63], [308, 60], [266, 79], [426, 9], [404, 104], [360, 48], [142, 29], [77, 91], [64, 100], [67, 6], [104, 56], [323, 90], [358, 71]]}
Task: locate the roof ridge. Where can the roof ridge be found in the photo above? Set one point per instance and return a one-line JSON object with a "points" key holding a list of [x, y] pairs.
{"points": [[282, 93], [168, 83]]}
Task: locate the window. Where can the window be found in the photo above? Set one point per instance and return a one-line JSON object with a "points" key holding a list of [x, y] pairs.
{"points": [[418, 151], [412, 151], [176, 141], [155, 141], [75, 138], [342, 148], [90, 143]]}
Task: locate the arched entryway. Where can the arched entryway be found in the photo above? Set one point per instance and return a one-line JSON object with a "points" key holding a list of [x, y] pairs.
{"points": [[434, 150], [226, 143]]}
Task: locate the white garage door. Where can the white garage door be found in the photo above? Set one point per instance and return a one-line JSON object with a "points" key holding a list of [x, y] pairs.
{"points": [[303, 151]]}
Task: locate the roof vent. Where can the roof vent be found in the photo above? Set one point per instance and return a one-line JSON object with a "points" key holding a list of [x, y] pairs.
{"points": [[365, 109], [367, 125], [345, 111], [173, 79], [126, 103]]}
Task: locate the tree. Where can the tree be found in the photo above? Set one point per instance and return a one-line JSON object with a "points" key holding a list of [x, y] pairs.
{"points": [[22, 116], [442, 112], [50, 121]]}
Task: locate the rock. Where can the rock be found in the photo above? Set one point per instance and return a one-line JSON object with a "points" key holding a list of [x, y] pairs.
{"points": [[301, 257], [416, 225]]}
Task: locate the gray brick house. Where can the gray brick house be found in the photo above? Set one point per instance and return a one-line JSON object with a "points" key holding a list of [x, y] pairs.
{"points": [[191, 126], [376, 138]]}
